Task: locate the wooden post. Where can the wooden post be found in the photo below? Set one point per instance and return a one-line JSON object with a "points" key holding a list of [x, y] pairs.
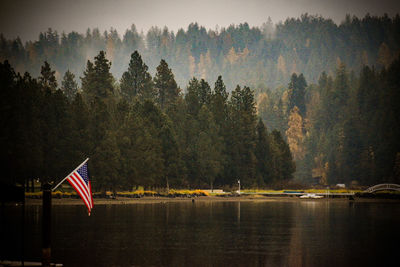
{"points": [[23, 229], [2, 231], [46, 226]]}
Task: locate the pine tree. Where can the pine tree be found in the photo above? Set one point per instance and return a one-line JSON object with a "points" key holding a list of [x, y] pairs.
{"points": [[192, 97], [209, 148], [263, 154], [98, 80], [56, 126], [242, 119], [104, 78], [153, 120], [141, 157], [107, 164], [204, 93], [352, 149], [219, 109], [88, 81], [47, 78], [82, 143], [219, 103], [100, 121], [283, 164], [170, 153], [340, 94], [165, 85], [137, 81], [69, 86], [21, 126], [297, 88]]}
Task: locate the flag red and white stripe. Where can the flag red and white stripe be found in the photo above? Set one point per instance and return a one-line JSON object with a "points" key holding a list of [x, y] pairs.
{"points": [[79, 179]]}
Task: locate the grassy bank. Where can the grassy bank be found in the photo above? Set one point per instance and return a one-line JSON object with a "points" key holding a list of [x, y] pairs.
{"points": [[332, 191], [205, 193], [127, 194]]}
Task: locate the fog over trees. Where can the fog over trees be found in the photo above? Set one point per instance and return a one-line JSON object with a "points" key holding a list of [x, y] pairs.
{"points": [[258, 57]]}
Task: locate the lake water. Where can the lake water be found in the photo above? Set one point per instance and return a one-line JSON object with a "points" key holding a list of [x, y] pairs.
{"points": [[283, 233]]}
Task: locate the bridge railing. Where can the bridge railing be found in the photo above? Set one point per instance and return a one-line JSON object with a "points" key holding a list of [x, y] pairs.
{"points": [[381, 187]]}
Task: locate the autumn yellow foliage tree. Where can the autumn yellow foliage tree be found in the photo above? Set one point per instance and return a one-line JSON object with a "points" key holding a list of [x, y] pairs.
{"points": [[295, 134], [384, 55]]}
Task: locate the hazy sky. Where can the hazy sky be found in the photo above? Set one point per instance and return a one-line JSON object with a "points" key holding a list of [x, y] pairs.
{"points": [[26, 18]]}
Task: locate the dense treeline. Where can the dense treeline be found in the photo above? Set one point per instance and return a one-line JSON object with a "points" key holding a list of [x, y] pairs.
{"points": [[344, 129], [261, 57], [138, 131], [339, 112]]}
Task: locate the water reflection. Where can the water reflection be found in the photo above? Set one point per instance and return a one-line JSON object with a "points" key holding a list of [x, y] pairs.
{"points": [[238, 212], [306, 233]]}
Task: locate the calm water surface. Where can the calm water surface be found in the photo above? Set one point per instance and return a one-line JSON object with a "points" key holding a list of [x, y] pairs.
{"points": [[300, 233]]}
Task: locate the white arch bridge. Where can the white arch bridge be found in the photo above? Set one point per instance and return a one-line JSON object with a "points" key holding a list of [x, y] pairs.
{"points": [[383, 187]]}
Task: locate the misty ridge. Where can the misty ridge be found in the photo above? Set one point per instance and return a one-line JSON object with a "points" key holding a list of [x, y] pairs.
{"points": [[259, 57]]}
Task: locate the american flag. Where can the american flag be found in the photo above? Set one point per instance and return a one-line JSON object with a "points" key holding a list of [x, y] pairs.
{"points": [[79, 179]]}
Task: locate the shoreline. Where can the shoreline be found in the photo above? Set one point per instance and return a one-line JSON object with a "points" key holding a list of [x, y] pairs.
{"points": [[202, 199]]}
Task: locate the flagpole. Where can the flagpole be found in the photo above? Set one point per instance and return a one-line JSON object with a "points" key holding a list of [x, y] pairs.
{"points": [[69, 175]]}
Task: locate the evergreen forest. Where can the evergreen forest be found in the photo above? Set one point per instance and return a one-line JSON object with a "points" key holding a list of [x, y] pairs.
{"points": [[304, 100], [144, 132]]}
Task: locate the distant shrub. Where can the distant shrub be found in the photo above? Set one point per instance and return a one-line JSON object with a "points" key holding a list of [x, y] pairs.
{"points": [[137, 194], [187, 193]]}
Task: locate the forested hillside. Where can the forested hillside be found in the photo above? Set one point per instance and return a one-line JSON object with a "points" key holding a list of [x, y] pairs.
{"points": [[258, 57], [146, 134], [316, 101], [343, 129]]}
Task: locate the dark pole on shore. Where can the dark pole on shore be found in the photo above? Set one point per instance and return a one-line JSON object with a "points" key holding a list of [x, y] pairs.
{"points": [[2, 231], [23, 227], [46, 226]]}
